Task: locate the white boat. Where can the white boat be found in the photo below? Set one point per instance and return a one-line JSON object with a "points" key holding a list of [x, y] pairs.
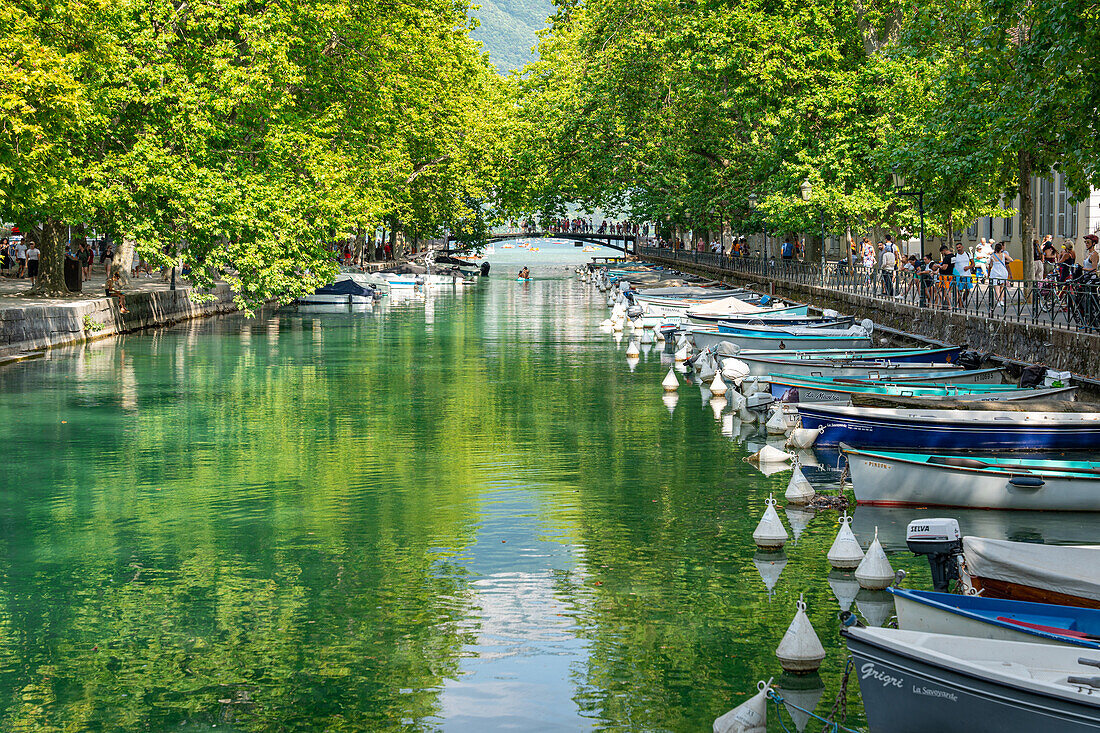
{"points": [[916, 682], [342, 292]]}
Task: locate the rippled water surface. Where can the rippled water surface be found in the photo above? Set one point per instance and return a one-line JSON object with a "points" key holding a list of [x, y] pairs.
{"points": [[462, 513]]}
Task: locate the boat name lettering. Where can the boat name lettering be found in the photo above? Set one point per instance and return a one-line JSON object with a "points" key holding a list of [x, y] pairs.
{"points": [[932, 692], [876, 464], [870, 670]]}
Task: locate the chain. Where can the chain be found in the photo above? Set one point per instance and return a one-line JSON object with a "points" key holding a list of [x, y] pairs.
{"points": [[840, 704]]}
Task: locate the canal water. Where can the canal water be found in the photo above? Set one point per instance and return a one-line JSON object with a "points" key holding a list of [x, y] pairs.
{"points": [[460, 512]]}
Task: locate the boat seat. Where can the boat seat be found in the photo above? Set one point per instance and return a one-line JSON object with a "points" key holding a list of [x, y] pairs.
{"points": [[957, 461]]}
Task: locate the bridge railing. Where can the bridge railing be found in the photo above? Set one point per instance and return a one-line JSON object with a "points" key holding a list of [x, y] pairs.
{"points": [[1067, 305]]}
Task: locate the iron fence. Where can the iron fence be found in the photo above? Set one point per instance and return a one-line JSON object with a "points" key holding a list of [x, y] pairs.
{"points": [[1072, 304]]}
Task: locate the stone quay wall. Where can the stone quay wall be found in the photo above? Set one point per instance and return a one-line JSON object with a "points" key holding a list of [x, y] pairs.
{"points": [[27, 329], [1014, 343]]}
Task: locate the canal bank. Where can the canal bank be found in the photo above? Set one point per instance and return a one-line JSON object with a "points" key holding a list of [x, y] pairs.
{"points": [[1015, 343], [30, 325]]}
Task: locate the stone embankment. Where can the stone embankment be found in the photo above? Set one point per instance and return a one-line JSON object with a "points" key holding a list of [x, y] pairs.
{"points": [[1014, 342], [28, 328]]}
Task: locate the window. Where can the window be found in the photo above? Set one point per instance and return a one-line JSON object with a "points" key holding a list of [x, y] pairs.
{"points": [[972, 230], [1046, 206], [1067, 211], [1008, 227], [989, 227]]}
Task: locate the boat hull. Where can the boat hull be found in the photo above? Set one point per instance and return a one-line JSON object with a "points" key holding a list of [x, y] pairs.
{"points": [[708, 339], [905, 693], [879, 479], [873, 428], [913, 615]]}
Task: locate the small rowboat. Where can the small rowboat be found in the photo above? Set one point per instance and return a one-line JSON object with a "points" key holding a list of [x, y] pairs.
{"points": [[991, 482], [703, 337], [882, 427], [996, 618], [1025, 571], [915, 682], [793, 388]]}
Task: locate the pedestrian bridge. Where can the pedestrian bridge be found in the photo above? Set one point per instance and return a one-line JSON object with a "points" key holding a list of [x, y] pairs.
{"points": [[626, 243]]}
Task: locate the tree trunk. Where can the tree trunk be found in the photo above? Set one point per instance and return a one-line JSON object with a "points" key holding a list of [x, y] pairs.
{"points": [[124, 257], [1027, 220], [51, 263], [360, 241]]}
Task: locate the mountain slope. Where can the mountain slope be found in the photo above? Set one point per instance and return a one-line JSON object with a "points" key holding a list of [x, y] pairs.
{"points": [[508, 30]]}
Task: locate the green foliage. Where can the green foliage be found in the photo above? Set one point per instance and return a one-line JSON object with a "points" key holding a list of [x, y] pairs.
{"points": [[91, 325]]}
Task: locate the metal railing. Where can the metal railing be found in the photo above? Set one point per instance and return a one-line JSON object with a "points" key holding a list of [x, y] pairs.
{"points": [[1072, 305]]}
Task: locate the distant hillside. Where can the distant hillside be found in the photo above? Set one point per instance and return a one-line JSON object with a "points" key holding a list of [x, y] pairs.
{"points": [[508, 30]]}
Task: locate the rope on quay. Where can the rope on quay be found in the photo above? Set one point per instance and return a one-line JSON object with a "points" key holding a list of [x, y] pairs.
{"points": [[840, 704]]}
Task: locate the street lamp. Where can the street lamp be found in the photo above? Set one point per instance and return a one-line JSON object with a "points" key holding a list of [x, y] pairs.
{"points": [[899, 189], [804, 191], [764, 223]]}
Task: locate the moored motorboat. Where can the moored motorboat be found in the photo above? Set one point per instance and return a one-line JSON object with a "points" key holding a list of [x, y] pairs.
{"points": [[703, 337], [915, 682], [996, 618], [1025, 571], [881, 427], [824, 390], [341, 292], [985, 482]]}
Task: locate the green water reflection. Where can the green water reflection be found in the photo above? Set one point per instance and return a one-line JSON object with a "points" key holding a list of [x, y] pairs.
{"points": [[460, 513]]}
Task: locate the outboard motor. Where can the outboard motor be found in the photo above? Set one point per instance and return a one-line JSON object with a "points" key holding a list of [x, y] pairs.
{"points": [[485, 269], [634, 311], [939, 539], [971, 359]]}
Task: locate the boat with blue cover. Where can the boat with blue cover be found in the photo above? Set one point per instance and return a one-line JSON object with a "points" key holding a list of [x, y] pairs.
{"points": [[996, 618], [979, 482], [795, 338], [952, 430]]}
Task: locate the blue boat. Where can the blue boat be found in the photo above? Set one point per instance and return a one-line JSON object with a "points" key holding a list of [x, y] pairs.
{"points": [[951, 430], [996, 618]]}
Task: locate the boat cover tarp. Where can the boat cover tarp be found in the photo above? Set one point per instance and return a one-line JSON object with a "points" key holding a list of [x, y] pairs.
{"points": [[345, 287], [1057, 399], [1072, 571], [724, 306]]}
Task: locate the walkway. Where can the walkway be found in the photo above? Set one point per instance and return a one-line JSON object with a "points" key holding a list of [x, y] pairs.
{"points": [[1041, 304]]}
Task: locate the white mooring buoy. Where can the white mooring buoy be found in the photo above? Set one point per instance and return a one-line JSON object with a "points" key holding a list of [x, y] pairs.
{"points": [[803, 438], [799, 490], [800, 651], [776, 424], [750, 716], [770, 534], [632, 349], [875, 573], [682, 355], [845, 554], [770, 454], [671, 382], [717, 386]]}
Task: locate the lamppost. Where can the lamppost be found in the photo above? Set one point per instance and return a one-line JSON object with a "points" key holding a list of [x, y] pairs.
{"points": [[805, 190], [899, 189], [764, 223]]}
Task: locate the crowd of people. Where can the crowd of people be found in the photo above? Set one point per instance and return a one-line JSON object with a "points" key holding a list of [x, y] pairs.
{"points": [[579, 225]]}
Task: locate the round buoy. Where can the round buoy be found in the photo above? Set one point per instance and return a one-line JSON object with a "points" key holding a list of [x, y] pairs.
{"points": [[803, 438], [770, 454], [799, 490], [845, 554], [632, 349], [770, 533], [718, 386], [682, 355], [618, 326], [671, 383], [777, 424], [750, 716], [800, 651], [875, 573]]}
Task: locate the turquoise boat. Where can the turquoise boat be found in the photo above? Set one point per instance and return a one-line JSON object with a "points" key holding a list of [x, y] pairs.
{"points": [[791, 388]]}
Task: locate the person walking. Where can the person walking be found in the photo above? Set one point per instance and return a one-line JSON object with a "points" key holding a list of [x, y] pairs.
{"points": [[32, 255], [888, 261], [21, 257], [963, 272], [998, 273]]}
